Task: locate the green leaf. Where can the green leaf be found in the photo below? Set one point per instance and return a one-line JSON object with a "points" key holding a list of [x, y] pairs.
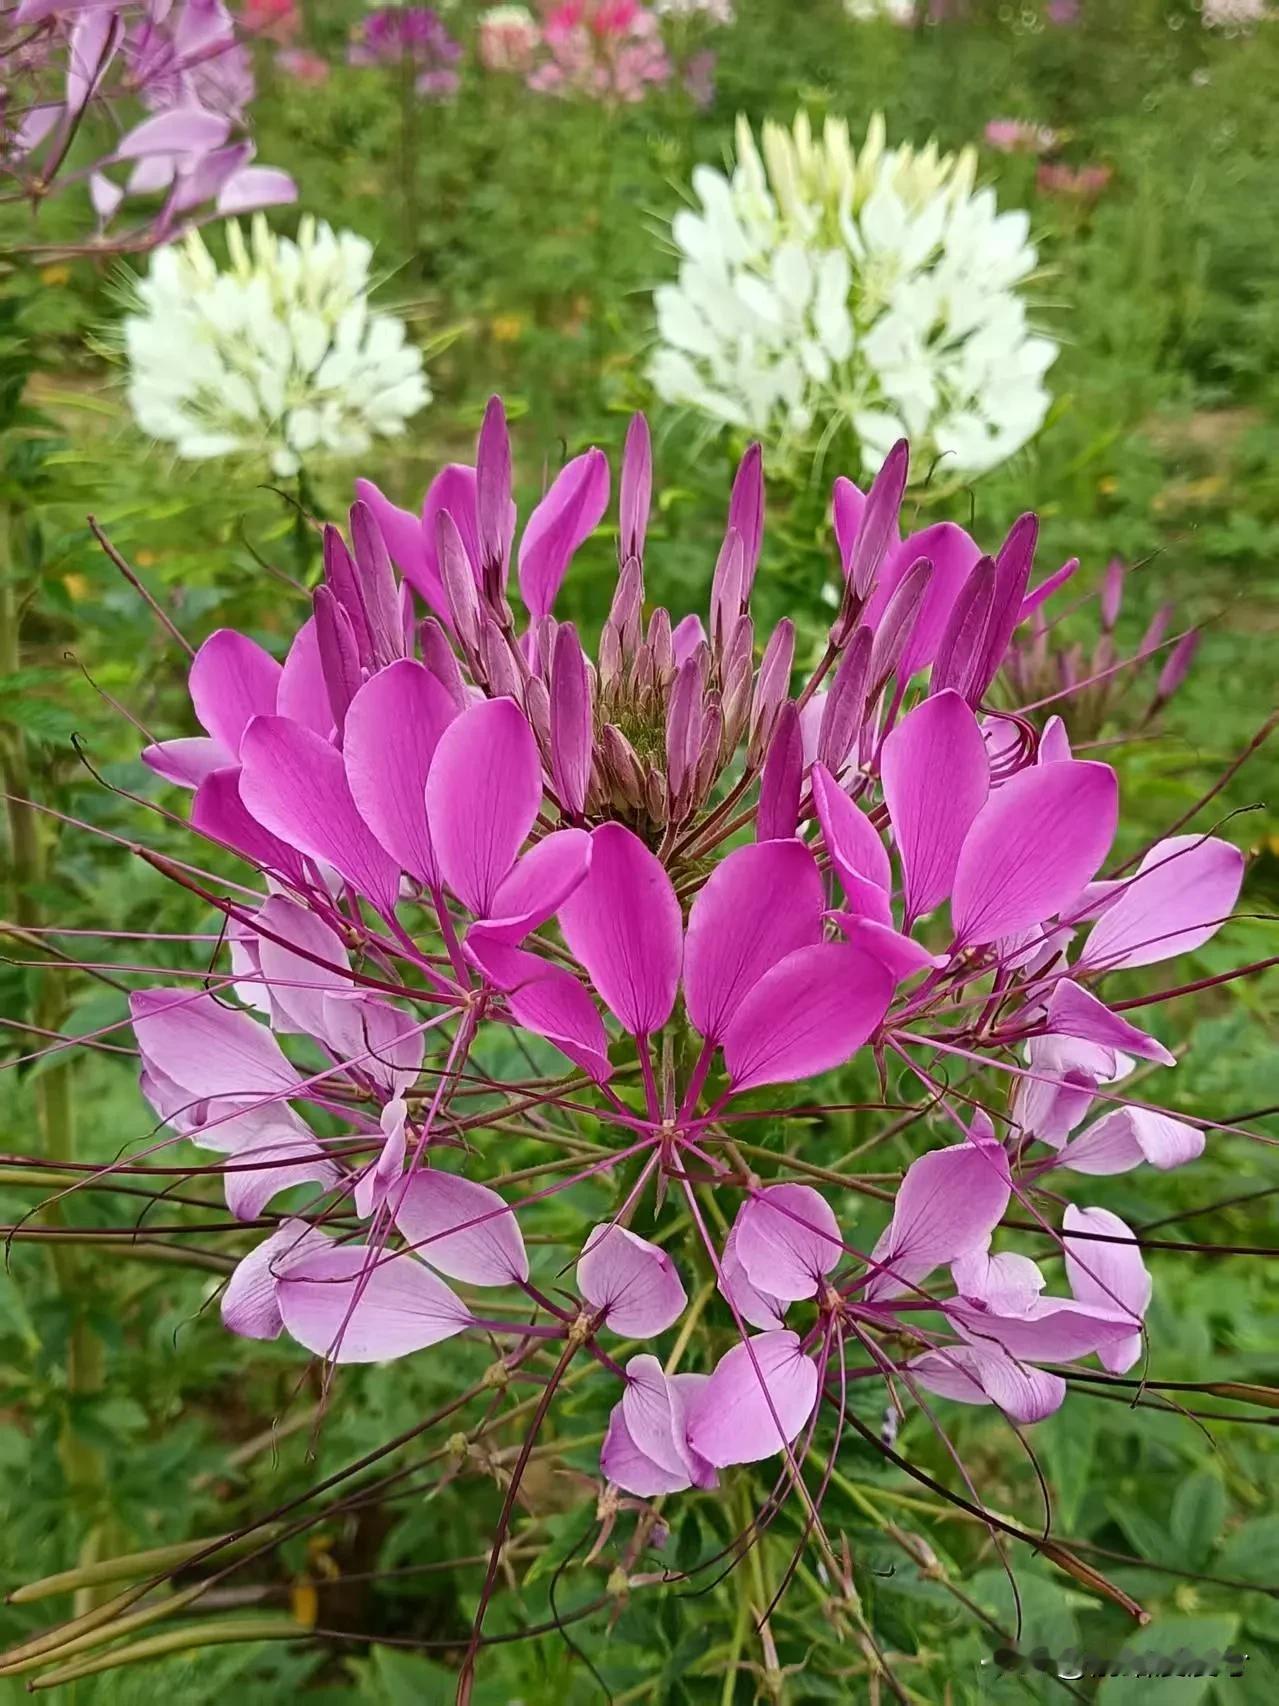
{"points": [[1179, 1642], [1251, 1551], [1198, 1511]]}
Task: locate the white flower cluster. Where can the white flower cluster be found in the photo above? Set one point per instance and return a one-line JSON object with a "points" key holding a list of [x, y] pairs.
{"points": [[714, 11], [819, 287], [279, 355], [1234, 14], [870, 11]]}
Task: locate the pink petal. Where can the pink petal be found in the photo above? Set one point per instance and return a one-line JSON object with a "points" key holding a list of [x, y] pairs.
{"points": [[482, 795], [953, 556], [253, 187], [463, 1229], [948, 1203], [632, 1281], [207, 1048], [375, 1183], [856, 852], [686, 636], [653, 1407], [1110, 1276], [1054, 1330], [1007, 1284], [1054, 743], [304, 695], [756, 1401], [936, 781], [188, 761], [848, 505], [294, 784], [180, 130], [760, 1308], [787, 1239], [1040, 838], [566, 516], [353, 1303], [262, 1168], [636, 488], [759, 905], [1075, 1012], [1180, 895], [381, 1041], [218, 812], [249, 1304], [536, 886], [1063, 1081], [406, 540], [392, 728], [899, 955], [546, 1000], [969, 1374], [623, 925], [811, 1012], [451, 492], [232, 680], [1123, 1139], [297, 985], [626, 1466]]}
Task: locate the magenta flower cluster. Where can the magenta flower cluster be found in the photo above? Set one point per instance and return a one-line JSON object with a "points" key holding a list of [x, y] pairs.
{"points": [[168, 81], [676, 873], [412, 36]]}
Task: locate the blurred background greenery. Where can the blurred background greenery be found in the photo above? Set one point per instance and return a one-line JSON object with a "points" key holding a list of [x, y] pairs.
{"points": [[523, 258]]}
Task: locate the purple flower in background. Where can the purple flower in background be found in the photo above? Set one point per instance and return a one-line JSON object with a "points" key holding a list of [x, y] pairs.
{"points": [[1063, 11], [413, 36]]}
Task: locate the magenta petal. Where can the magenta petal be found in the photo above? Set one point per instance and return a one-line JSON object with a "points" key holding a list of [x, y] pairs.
{"points": [[232, 680], [1075, 1012], [686, 636], [756, 1401], [218, 812], [1108, 1276], [567, 515], [623, 925], [1040, 838], [188, 761], [936, 780], [451, 492], [986, 1375], [482, 795], [787, 1240], [1123, 1139], [948, 1203], [249, 1304], [392, 728], [759, 905], [546, 1000], [848, 505], [297, 985], [207, 1048], [633, 1282], [856, 851], [353, 1303], [536, 886], [1180, 895], [463, 1229], [900, 956], [304, 694], [374, 1183], [953, 556], [407, 542], [760, 1308], [811, 1012], [293, 783]]}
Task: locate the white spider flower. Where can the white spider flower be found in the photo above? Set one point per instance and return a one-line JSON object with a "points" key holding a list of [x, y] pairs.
{"points": [[279, 354], [819, 286]]}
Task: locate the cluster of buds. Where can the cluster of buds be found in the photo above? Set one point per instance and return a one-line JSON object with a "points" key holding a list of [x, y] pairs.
{"points": [[677, 878], [181, 155]]}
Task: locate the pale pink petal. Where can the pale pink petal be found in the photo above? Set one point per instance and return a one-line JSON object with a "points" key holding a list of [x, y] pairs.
{"points": [[948, 1204], [392, 728], [249, 1304], [758, 1307], [633, 1282], [758, 1398], [1124, 1138], [1075, 1012], [654, 1410], [297, 985], [276, 1162], [253, 187], [293, 783], [811, 1012], [536, 886], [787, 1240], [1180, 895], [546, 1000], [374, 1184], [1040, 838], [686, 636], [463, 1229], [970, 1374], [381, 1040], [1055, 1329], [1108, 1276], [759, 905], [482, 795], [353, 1303], [626, 1466], [207, 1048], [856, 852], [187, 761], [567, 515], [1008, 1284], [623, 925], [1060, 1087], [936, 779], [180, 130]]}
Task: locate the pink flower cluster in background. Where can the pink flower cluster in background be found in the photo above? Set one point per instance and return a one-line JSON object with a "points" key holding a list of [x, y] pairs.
{"points": [[77, 69], [413, 36], [678, 877]]}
